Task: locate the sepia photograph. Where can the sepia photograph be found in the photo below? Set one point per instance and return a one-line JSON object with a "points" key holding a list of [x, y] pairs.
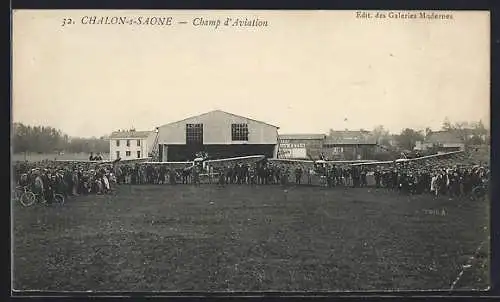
{"points": [[250, 151]]}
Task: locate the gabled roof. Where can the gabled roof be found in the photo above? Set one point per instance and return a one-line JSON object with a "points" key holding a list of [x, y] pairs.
{"points": [[130, 134], [302, 136], [348, 137], [441, 137], [351, 141], [228, 113], [350, 132]]}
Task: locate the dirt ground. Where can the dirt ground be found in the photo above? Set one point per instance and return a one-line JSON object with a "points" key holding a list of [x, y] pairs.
{"points": [[251, 238]]}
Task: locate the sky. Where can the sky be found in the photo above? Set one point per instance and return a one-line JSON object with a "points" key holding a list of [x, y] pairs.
{"points": [[306, 72]]}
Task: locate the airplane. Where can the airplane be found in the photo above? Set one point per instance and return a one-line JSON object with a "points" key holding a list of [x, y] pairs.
{"points": [[409, 160], [205, 163], [319, 164]]}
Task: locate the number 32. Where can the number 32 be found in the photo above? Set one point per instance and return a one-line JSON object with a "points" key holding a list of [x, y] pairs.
{"points": [[66, 21]]}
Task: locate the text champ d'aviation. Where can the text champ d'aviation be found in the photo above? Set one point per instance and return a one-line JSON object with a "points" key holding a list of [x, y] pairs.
{"points": [[168, 21]]}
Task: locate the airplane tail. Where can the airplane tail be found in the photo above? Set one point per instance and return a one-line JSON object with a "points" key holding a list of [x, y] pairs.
{"points": [[322, 156], [202, 154]]}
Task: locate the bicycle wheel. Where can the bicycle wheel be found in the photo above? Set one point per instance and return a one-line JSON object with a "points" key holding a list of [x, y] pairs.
{"points": [[27, 199], [59, 199], [19, 191], [41, 199], [478, 192]]}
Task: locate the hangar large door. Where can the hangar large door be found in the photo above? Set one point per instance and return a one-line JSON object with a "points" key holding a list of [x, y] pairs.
{"points": [[188, 152]]}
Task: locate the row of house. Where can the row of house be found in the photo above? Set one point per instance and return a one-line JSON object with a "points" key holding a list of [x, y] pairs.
{"points": [[218, 133], [449, 140], [339, 145], [222, 134]]}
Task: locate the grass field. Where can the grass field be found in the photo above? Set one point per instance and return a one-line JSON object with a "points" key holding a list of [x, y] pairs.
{"points": [[241, 238]]}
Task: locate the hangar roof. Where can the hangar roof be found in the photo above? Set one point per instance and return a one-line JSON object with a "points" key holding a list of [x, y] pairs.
{"points": [[223, 112]]}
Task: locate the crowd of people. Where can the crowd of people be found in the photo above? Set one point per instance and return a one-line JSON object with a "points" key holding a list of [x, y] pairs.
{"points": [[73, 179], [47, 178]]}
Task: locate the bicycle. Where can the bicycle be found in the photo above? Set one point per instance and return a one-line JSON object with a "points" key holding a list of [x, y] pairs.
{"points": [[29, 198], [18, 191], [58, 198], [480, 191], [25, 196]]}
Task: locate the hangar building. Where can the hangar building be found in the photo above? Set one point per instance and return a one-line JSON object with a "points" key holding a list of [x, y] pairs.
{"points": [[218, 133]]}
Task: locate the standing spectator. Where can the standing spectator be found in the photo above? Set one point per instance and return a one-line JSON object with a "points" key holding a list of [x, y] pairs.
{"points": [[298, 175]]}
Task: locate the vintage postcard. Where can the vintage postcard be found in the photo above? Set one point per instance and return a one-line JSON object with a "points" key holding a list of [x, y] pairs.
{"points": [[250, 151]]}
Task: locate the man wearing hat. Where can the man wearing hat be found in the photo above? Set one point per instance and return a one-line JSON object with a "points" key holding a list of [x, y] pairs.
{"points": [[38, 187], [377, 176]]}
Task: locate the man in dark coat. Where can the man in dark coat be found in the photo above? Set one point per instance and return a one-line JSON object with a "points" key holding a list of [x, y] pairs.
{"points": [[377, 177]]}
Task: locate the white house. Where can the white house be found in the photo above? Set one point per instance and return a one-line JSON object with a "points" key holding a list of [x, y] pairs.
{"points": [[130, 144]]}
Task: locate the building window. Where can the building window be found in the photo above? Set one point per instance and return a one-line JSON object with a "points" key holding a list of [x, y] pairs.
{"points": [[117, 154], [128, 143], [138, 143], [138, 154], [239, 132], [127, 153], [118, 143], [194, 134]]}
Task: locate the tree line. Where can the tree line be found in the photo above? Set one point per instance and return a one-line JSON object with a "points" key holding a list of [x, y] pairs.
{"points": [[471, 133], [43, 139]]}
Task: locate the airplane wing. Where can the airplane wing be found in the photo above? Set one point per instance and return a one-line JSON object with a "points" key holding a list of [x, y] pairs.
{"points": [[171, 164], [281, 161], [127, 161], [290, 161], [311, 162], [373, 163], [435, 156], [423, 159], [230, 160], [350, 162]]}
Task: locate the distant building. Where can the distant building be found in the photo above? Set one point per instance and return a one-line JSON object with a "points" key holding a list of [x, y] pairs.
{"points": [[349, 145], [444, 141], [130, 144], [220, 134], [392, 140], [300, 146], [338, 145]]}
